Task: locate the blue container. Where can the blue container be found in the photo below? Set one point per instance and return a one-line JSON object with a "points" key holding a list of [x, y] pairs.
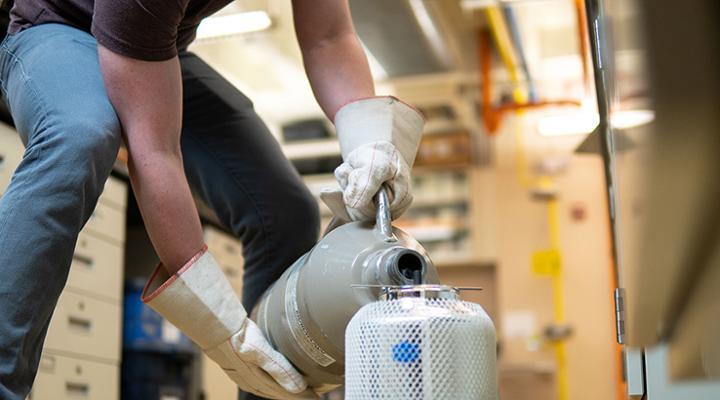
{"points": [[146, 330]]}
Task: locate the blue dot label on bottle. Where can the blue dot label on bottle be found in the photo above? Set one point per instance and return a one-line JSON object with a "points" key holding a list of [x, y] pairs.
{"points": [[406, 352]]}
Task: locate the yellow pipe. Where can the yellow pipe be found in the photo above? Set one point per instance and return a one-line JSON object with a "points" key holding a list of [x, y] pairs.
{"points": [[502, 39], [500, 32], [504, 44], [562, 377]]}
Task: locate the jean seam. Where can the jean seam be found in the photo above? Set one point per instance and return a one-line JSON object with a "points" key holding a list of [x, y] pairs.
{"points": [[28, 82], [26, 78], [35, 97], [3, 86], [264, 225], [4, 48]]}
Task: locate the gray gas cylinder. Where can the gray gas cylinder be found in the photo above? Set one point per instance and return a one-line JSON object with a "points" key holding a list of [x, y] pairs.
{"points": [[420, 342], [305, 313]]}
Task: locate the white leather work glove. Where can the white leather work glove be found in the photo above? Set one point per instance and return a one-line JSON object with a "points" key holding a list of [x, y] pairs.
{"points": [[379, 138], [200, 302]]}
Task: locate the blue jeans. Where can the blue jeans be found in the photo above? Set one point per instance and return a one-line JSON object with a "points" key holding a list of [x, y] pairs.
{"points": [[51, 80]]}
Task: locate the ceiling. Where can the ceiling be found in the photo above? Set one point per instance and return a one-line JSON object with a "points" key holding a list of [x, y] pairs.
{"points": [[423, 51]]}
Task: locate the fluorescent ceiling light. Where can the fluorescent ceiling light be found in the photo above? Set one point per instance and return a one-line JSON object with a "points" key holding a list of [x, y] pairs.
{"points": [[584, 122], [479, 4], [574, 123], [475, 4], [624, 119], [233, 24]]}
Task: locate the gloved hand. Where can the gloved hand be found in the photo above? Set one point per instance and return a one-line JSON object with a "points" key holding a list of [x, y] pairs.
{"points": [[200, 302], [249, 360], [379, 138]]}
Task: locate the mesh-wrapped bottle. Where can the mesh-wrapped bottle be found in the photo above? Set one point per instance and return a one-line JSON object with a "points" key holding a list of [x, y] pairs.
{"points": [[420, 343]]}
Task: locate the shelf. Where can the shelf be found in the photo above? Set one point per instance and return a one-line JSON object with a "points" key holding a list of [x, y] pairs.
{"points": [[449, 201], [318, 177], [426, 169], [536, 367], [311, 149], [440, 126], [434, 232]]}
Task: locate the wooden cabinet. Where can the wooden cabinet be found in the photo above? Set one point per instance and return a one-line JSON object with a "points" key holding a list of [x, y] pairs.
{"points": [[227, 250], [82, 352]]}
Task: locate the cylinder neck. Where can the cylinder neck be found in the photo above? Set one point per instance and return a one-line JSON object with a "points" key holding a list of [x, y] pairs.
{"points": [[404, 266]]}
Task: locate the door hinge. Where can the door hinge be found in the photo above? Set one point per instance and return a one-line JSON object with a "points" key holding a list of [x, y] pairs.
{"points": [[620, 315]]}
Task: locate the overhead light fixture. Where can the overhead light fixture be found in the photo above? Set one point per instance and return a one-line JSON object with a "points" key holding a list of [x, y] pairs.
{"points": [[584, 122], [574, 123], [477, 4], [480, 4], [624, 119], [233, 24]]}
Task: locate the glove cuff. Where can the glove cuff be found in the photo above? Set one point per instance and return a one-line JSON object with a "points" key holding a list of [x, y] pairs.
{"points": [[197, 299], [382, 118]]}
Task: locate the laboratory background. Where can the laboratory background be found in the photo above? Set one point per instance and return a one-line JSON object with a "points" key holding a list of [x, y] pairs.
{"points": [[569, 167]]}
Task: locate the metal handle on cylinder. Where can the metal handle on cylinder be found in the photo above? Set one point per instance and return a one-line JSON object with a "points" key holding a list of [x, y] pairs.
{"points": [[383, 218]]}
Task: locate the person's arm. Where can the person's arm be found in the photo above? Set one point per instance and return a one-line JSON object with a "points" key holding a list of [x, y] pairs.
{"points": [[147, 97], [137, 42], [378, 136], [334, 60]]}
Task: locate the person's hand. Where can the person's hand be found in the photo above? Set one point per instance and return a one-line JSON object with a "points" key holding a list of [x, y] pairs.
{"points": [[379, 138], [249, 360], [365, 170], [199, 301]]}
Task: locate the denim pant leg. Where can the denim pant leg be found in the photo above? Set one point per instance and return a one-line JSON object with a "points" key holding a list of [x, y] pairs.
{"points": [[51, 79], [233, 162]]}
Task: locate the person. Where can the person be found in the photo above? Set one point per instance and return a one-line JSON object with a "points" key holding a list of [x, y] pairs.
{"points": [[80, 76]]}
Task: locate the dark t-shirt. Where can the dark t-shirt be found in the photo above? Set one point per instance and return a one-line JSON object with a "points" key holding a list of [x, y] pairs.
{"points": [[150, 30]]}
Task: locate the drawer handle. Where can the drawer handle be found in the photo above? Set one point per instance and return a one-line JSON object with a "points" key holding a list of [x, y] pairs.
{"points": [[77, 389], [84, 260], [82, 324]]}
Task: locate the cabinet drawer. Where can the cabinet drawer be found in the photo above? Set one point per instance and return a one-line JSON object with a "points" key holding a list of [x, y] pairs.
{"points": [[61, 378], [11, 152], [108, 222], [97, 267], [115, 193], [85, 326]]}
